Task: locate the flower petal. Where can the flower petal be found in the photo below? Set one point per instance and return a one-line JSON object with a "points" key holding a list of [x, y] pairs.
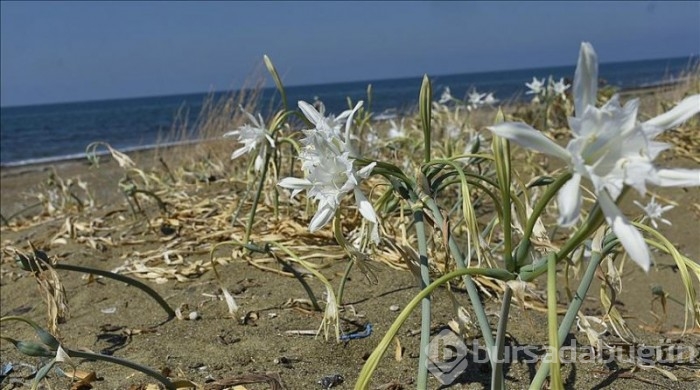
{"points": [[569, 201], [365, 171], [677, 178], [526, 136], [239, 152], [349, 121], [679, 114], [322, 217], [585, 79], [629, 236], [310, 112], [365, 206], [259, 161], [294, 183]]}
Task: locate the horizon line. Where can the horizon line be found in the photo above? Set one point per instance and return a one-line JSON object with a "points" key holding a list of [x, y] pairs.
{"points": [[691, 58]]}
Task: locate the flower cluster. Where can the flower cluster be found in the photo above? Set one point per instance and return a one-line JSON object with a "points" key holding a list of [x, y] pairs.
{"points": [[474, 99], [551, 89], [611, 149], [329, 169]]}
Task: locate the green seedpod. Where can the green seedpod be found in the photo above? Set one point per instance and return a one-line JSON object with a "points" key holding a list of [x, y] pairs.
{"points": [[31, 348], [47, 338], [276, 78]]}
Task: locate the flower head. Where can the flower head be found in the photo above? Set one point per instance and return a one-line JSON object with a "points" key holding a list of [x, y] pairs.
{"points": [[329, 169], [250, 137], [654, 211], [396, 131], [536, 86], [611, 149], [474, 100], [559, 88], [446, 96], [490, 99]]}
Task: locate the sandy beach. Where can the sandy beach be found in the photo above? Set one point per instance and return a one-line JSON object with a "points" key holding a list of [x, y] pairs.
{"points": [[267, 340]]}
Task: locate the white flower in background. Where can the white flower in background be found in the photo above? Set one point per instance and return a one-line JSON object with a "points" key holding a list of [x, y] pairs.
{"points": [[536, 86], [446, 96], [329, 170], [396, 131], [655, 211], [559, 88], [490, 99], [371, 137], [452, 130], [474, 100], [250, 137], [611, 149]]}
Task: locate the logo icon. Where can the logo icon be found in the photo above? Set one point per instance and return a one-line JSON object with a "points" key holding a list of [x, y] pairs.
{"points": [[447, 356]]}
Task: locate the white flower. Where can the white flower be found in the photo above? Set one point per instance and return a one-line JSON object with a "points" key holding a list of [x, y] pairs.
{"points": [[536, 86], [396, 131], [446, 96], [453, 130], [611, 149], [474, 100], [559, 88], [250, 137], [329, 170], [655, 211], [490, 100]]}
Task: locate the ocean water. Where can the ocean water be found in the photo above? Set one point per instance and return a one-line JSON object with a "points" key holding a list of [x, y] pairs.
{"points": [[52, 132]]}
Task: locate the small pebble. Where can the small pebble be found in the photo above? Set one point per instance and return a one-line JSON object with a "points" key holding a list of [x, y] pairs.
{"points": [[331, 381], [394, 307], [194, 316]]}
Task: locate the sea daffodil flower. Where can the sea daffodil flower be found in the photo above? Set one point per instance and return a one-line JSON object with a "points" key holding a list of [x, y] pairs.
{"points": [[250, 137], [329, 170], [396, 131], [611, 149], [654, 212], [490, 99], [474, 100], [446, 96], [559, 88], [535, 86]]}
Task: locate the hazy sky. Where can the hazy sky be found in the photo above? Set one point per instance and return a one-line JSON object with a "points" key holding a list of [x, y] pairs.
{"points": [[73, 51]]}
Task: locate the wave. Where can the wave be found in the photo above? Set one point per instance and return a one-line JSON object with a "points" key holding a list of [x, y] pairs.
{"points": [[80, 156]]}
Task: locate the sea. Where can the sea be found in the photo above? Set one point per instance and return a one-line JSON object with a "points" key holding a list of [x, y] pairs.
{"points": [[56, 132]]}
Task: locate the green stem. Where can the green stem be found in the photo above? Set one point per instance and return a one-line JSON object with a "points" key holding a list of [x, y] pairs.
{"points": [[7, 220], [121, 278], [552, 322], [122, 362], [373, 360], [418, 217], [346, 275], [425, 99], [570, 316], [505, 194], [256, 199], [541, 204], [497, 378], [595, 219], [472, 291]]}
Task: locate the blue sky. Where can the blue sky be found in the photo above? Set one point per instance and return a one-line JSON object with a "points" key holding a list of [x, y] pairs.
{"points": [[74, 51]]}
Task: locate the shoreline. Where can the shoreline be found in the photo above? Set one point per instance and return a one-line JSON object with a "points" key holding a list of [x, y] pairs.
{"points": [[12, 168]]}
